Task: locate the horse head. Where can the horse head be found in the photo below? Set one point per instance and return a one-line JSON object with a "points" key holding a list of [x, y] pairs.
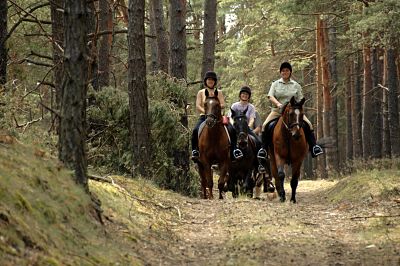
{"points": [[240, 124], [293, 117], [212, 109]]}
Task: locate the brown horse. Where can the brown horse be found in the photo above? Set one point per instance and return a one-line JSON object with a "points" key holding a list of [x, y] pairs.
{"points": [[289, 146], [214, 148]]}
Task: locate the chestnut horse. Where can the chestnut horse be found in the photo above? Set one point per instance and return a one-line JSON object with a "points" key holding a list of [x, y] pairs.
{"points": [[214, 148], [289, 146]]}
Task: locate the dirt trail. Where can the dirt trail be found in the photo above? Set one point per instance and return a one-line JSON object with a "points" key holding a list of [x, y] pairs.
{"points": [[262, 232]]}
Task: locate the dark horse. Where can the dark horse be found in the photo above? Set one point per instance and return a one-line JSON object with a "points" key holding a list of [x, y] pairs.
{"points": [[244, 175], [214, 148], [240, 174], [289, 147]]}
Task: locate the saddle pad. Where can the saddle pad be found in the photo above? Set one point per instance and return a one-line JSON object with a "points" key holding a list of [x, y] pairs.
{"points": [[202, 125]]}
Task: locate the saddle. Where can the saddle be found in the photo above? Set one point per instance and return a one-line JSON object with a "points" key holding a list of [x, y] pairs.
{"points": [[203, 124]]}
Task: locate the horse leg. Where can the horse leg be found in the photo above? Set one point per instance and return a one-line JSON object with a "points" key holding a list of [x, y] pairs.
{"points": [[210, 183], [279, 186], [223, 180], [278, 179], [203, 181], [295, 180], [259, 178]]}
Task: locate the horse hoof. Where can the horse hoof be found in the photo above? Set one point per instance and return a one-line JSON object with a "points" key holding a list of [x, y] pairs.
{"points": [[282, 199], [271, 196], [293, 200]]}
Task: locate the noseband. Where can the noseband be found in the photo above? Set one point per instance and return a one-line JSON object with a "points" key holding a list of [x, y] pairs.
{"points": [[211, 120]]}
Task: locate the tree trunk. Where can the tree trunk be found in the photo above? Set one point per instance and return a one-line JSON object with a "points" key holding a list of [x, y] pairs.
{"points": [[349, 119], [73, 107], [333, 153], [377, 121], [105, 24], [57, 27], [210, 29], [178, 39], [321, 162], [393, 107], [153, 44], [3, 46], [356, 103], [93, 59], [161, 35], [386, 150], [137, 87], [178, 69], [367, 104]]}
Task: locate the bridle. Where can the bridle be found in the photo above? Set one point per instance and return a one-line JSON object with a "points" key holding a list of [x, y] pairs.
{"points": [[297, 121]]}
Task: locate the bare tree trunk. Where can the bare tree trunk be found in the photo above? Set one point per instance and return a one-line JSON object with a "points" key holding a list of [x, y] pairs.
{"points": [[367, 104], [153, 44], [93, 59], [377, 121], [210, 29], [178, 39], [356, 103], [3, 43], [333, 153], [105, 24], [178, 69], [161, 35], [73, 107], [393, 107], [57, 26], [349, 119], [321, 160], [137, 87], [386, 149]]}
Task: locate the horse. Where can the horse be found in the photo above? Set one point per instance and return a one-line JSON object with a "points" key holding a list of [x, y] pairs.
{"points": [[244, 174], [214, 148], [289, 146], [240, 176]]}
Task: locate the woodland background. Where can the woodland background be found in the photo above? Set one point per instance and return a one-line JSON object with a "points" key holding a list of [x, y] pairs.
{"points": [[111, 85]]}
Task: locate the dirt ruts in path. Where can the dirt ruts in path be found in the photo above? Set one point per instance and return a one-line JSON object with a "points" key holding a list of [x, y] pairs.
{"points": [[261, 232]]}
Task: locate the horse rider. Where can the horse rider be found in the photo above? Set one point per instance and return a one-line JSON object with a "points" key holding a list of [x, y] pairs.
{"points": [[210, 81], [241, 106], [281, 91]]}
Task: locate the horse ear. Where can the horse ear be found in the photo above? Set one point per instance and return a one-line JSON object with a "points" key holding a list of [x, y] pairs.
{"points": [[206, 93], [302, 101], [292, 101], [216, 93]]}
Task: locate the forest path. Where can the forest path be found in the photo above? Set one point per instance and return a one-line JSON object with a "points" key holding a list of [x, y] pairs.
{"points": [[262, 232]]}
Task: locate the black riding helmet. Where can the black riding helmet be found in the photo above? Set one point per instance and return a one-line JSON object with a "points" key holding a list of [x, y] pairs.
{"points": [[210, 74], [285, 65], [245, 89]]}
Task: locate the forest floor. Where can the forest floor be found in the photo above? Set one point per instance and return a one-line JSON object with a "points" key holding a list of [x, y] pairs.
{"points": [[47, 219], [313, 231]]}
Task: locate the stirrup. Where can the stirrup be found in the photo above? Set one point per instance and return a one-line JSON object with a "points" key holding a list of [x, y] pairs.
{"points": [[195, 155], [261, 169], [317, 150], [262, 154], [237, 153]]}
